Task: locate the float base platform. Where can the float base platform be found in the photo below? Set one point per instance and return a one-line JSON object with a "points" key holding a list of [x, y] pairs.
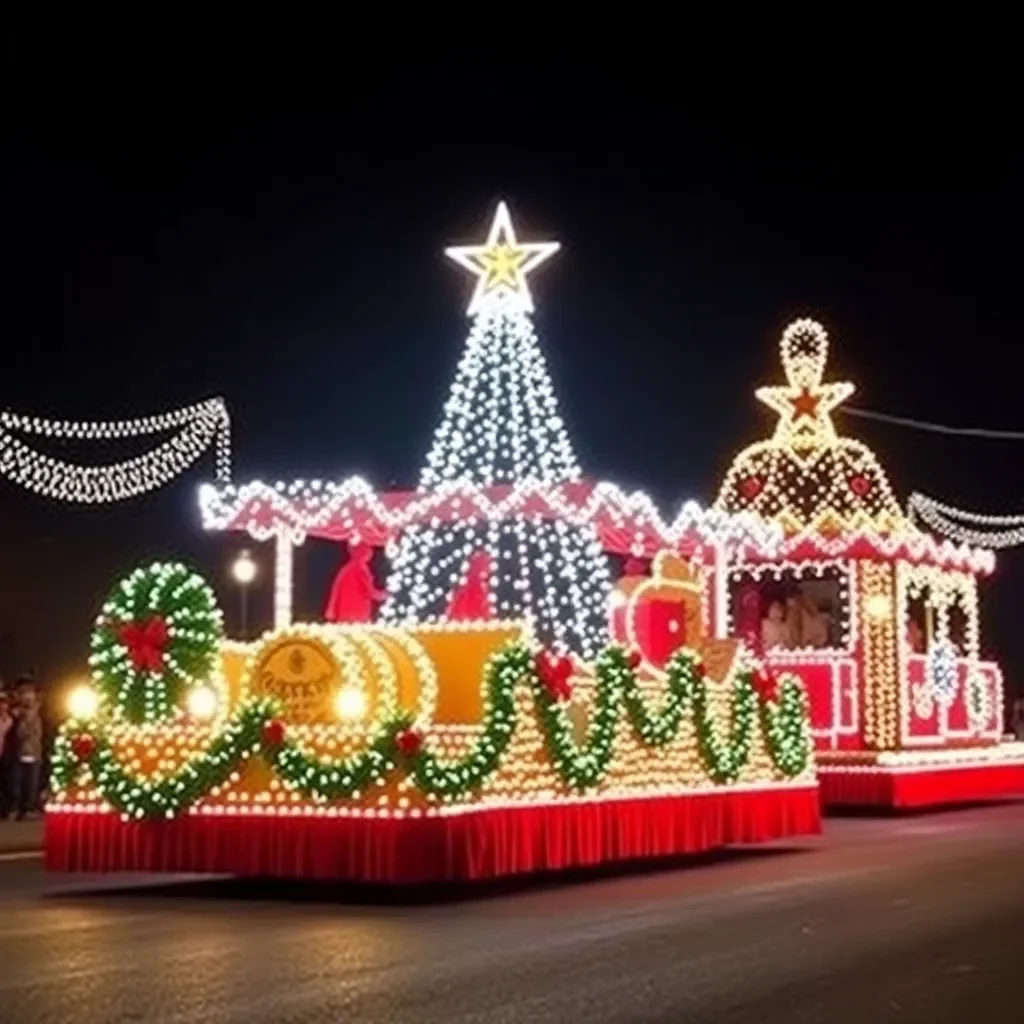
{"points": [[467, 846], [907, 781]]}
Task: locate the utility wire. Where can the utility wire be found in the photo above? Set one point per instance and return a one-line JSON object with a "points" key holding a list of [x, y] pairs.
{"points": [[936, 428]]}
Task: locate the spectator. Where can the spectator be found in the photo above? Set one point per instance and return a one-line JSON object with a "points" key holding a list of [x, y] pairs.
{"points": [[8, 742], [29, 748]]}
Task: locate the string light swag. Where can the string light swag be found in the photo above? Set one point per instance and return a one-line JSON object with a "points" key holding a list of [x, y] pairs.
{"points": [[974, 528], [198, 428], [807, 475], [501, 427]]}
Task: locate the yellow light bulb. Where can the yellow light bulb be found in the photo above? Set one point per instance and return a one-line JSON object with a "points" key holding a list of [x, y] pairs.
{"points": [[82, 701], [350, 704], [202, 702]]}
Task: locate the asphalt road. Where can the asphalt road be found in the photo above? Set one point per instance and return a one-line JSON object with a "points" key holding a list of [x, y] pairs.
{"points": [[908, 920]]}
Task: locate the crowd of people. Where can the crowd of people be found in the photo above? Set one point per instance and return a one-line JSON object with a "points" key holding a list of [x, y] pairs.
{"points": [[21, 750]]}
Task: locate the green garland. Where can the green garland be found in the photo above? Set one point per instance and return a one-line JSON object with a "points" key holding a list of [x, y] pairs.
{"points": [[159, 630], [253, 729], [786, 729]]}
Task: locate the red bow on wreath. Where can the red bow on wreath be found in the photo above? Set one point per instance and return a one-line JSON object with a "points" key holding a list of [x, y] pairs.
{"points": [[145, 641], [554, 673]]}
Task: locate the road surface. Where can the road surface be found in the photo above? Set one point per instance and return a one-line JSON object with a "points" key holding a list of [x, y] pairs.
{"points": [[908, 920]]}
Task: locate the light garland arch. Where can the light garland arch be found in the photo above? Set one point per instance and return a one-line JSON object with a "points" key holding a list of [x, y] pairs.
{"points": [[974, 528], [198, 427]]}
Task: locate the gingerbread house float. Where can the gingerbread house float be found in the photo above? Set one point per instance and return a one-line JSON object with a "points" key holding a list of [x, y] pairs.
{"points": [[877, 617]]}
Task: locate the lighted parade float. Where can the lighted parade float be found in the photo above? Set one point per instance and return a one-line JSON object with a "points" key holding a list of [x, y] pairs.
{"points": [[509, 703], [509, 710], [878, 618]]}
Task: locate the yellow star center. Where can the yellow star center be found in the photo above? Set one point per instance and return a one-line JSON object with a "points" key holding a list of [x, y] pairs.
{"points": [[502, 264]]}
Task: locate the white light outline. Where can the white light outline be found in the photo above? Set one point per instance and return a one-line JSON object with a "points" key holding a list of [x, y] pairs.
{"points": [[501, 235]]}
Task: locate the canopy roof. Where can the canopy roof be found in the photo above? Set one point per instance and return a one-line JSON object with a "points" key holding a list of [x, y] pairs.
{"points": [[626, 523]]}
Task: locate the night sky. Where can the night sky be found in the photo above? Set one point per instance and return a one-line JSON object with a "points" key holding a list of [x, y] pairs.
{"points": [[299, 273]]}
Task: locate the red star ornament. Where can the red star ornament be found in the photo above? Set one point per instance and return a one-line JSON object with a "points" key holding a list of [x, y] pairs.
{"points": [[806, 404]]}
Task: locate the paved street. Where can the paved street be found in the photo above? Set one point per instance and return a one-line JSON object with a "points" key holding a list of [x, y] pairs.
{"points": [[915, 919]]}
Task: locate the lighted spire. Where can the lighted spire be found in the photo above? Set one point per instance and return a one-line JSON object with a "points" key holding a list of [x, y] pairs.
{"points": [[804, 402]]}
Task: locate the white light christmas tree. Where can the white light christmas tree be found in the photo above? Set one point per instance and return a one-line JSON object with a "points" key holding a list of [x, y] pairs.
{"points": [[501, 428]]}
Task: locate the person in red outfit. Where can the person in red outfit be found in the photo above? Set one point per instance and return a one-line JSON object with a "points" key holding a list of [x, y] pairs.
{"points": [[354, 591], [472, 598]]}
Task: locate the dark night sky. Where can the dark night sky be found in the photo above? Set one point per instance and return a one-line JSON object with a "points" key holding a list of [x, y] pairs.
{"points": [[298, 272]]}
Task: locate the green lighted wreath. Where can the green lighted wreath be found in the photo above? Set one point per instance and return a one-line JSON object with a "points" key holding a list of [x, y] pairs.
{"points": [[159, 629]]}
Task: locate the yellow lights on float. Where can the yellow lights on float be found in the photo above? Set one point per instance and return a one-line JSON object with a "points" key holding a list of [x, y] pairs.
{"points": [[366, 658], [878, 606], [804, 402], [199, 426], [202, 703], [350, 704], [879, 640], [501, 264], [806, 475], [938, 594], [82, 701]]}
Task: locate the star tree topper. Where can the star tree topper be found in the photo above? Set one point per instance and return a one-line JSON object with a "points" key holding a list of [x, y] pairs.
{"points": [[804, 403], [501, 264]]}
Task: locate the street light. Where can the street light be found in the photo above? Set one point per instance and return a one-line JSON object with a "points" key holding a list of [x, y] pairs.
{"points": [[244, 571]]}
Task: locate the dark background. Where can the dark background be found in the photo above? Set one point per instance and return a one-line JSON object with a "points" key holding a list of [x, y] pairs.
{"points": [[295, 267]]}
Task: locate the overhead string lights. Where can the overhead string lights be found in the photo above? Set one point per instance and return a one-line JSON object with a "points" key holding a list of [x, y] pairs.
{"points": [[974, 528], [198, 428], [501, 428]]}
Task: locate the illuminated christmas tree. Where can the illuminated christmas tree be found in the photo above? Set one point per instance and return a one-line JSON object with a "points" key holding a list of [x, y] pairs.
{"points": [[501, 428]]}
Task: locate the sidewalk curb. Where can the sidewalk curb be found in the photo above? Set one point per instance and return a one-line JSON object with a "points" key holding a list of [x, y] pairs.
{"points": [[10, 856]]}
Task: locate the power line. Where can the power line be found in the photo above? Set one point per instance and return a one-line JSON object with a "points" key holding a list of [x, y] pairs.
{"points": [[936, 428]]}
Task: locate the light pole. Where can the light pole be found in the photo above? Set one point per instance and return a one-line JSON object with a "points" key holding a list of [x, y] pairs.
{"points": [[244, 571]]}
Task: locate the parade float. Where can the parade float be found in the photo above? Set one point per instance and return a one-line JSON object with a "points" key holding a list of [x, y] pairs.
{"points": [[515, 705], [905, 711]]}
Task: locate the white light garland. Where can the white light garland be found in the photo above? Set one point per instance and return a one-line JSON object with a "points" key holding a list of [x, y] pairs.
{"points": [[979, 530], [199, 426], [325, 508]]}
